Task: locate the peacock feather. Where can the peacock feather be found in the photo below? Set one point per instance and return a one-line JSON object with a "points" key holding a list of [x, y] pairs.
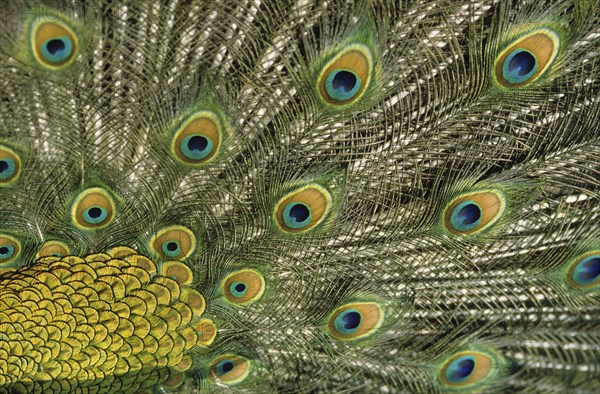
{"points": [[366, 196]]}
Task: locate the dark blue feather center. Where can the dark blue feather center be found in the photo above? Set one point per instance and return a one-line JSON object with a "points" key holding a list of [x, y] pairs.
{"points": [[197, 147], [6, 252], [172, 246], [54, 46], [95, 215], [94, 212], [592, 268], [522, 63], [197, 143], [351, 320], [344, 80], [469, 214], [57, 49], [225, 366], [589, 270], [7, 168], [299, 212], [342, 85], [460, 369]]}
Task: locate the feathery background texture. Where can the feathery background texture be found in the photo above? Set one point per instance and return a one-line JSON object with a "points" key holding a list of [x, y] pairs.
{"points": [[299, 196]]}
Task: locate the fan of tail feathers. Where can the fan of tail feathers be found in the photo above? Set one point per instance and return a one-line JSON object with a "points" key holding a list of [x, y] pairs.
{"points": [[312, 197]]}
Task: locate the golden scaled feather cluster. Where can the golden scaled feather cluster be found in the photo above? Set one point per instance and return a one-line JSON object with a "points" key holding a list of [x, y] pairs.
{"points": [[110, 320]]}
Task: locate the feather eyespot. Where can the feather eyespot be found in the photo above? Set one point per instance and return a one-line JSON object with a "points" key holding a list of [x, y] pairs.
{"points": [[198, 139], [344, 79], [10, 166], [53, 248], [355, 320], [229, 369], [243, 287], [94, 208], [173, 242], [10, 249], [303, 209], [54, 43], [584, 271], [466, 369], [527, 58], [473, 212]]}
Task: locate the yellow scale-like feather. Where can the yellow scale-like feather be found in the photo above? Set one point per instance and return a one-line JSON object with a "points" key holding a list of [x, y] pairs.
{"points": [[76, 320]]}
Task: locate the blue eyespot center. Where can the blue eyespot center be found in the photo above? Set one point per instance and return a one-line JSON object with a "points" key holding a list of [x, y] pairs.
{"points": [[587, 270], [7, 168], [171, 248], [55, 45], [296, 215], [522, 63], [348, 321], [466, 216], [238, 289], [344, 80], [300, 212], [95, 215], [225, 366], [198, 143], [460, 369], [469, 214], [95, 212], [351, 320], [57, 49], [342, 84], [6, 251], [197, 147], [519, 66]]}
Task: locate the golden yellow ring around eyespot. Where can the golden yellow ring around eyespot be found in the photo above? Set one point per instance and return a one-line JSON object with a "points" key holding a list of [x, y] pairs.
{"points": [[543, 43], [6, 153], [7, 240], [205, 123], [254, 282], [184, 237], [314, 196], [45, 29], [355, 57], [241, 369], [491, 202], [571, 270], [483, 367], [371, 320], [95, 196]]}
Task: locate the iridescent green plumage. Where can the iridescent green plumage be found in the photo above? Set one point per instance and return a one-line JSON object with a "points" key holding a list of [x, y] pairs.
{"points": [[265, 196]]}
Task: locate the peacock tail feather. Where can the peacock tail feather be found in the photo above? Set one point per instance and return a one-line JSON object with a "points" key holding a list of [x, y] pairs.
{"points": [[363, 196]]}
